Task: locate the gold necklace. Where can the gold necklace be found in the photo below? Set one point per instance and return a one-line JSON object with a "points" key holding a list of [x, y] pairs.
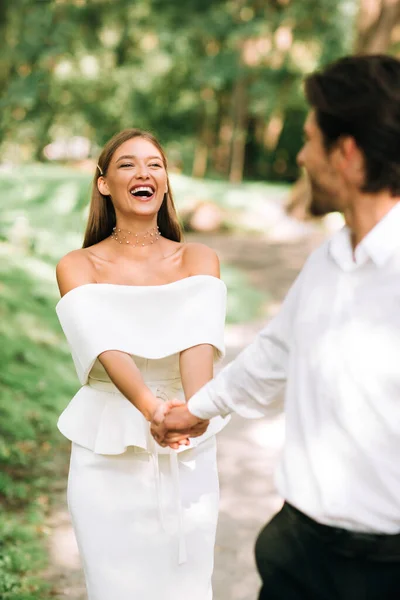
{"points": [[137, 239]]}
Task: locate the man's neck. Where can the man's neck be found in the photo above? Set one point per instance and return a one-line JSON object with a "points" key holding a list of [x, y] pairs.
{"points": [[365, 211]]}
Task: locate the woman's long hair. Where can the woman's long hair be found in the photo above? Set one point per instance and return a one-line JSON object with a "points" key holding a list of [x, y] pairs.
{"points": [[102, 217]]}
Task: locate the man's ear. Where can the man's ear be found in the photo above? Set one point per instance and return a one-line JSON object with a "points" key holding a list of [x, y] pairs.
{"points": [[102, 186], [345, 151], [350, 159], [349, 146]]}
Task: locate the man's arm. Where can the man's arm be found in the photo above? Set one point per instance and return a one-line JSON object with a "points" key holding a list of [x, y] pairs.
{"points": [[249, 384]]}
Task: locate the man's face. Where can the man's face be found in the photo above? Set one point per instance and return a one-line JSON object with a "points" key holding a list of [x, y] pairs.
{"points": [[325, 181]]}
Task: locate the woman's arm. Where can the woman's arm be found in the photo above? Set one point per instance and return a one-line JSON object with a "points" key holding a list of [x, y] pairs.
{"points": [[197, 368], [196, 363], [125, 375]]}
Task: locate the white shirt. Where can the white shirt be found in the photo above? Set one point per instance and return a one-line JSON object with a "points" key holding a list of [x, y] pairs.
{"points": [[336, 346]]}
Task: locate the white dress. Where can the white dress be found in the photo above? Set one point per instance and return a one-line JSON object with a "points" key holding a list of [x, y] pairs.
{"points": [[144, 516]]}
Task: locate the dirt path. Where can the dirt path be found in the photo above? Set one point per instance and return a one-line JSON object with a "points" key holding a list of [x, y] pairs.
{"points": [[248, 450]]}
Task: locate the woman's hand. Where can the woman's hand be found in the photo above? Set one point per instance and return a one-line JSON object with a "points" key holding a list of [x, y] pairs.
{"points": [[176, 424], [158, 429]]}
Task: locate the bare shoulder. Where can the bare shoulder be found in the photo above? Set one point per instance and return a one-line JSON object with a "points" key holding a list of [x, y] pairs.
{"points": [[73, 270], [200, 259]]}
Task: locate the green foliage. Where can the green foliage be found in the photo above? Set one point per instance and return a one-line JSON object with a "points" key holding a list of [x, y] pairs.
{"points": [[21, 556], [244, 302], [92, 67], [36, 380]]}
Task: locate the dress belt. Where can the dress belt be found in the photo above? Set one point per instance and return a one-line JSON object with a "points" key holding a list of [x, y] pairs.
{"points": [[103, 386], [163, 386], [161, 392], [174, 466]]}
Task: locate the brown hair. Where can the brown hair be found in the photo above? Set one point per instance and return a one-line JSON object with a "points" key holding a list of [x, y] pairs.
{"points": [[359, 96], [102, 218]]}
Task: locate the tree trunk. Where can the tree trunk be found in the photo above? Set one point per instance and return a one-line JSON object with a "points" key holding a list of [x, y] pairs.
{"points": [[273, 129], [239, 132], [205, 141], [200, 160], [376, 21], [42, 137], [224, 132]]}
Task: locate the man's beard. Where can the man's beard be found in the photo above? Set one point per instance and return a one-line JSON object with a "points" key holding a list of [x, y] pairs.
{"points": [[322, 202]]}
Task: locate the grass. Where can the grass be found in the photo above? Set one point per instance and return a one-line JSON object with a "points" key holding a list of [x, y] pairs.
{"points": [[51, 202], [244, 302], [36, 381], [43, 210]]}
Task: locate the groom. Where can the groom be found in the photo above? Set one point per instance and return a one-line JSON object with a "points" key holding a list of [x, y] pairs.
{"points": [[335, 347]]}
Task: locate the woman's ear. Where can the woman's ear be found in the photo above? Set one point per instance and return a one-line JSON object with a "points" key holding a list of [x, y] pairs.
{"points": [[102, 186]]}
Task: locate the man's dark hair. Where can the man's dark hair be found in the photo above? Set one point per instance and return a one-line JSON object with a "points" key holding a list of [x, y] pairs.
{"points": [[359, 96]]}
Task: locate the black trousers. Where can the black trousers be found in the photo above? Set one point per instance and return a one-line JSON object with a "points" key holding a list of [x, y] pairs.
{"points": [[299, 559]]}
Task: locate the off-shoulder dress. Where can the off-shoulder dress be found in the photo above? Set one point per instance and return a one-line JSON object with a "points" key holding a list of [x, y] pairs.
{"points": [[144, 516]]}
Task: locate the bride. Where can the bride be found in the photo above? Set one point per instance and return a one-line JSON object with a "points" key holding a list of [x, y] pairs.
{"points": [[143, 314]]}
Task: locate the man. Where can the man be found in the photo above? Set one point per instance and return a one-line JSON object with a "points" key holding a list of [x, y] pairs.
{"points": [[336, 346]]}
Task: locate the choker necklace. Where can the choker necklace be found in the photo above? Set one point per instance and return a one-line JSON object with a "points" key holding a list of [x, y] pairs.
{"points": [[123, 236]]}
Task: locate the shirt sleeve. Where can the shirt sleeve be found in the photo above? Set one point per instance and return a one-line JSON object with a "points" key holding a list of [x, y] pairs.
{"points": [[250, 383]]}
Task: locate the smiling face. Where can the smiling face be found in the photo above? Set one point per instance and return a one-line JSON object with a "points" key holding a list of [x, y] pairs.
{"points": [[136, 179]]}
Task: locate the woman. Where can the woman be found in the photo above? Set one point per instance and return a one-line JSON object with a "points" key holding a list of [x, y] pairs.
{"points": [[144, 317]]}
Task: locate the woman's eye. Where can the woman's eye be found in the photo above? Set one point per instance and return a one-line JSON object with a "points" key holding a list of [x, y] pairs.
{"points": [[155, 165], [126, 165]]}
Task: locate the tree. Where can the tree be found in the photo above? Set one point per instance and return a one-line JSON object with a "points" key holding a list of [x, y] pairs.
{"points": [[222, 90], [376, 31], [377, 22]]}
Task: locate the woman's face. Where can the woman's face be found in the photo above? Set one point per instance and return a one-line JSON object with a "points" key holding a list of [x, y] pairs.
{"points": [[136, 178]]}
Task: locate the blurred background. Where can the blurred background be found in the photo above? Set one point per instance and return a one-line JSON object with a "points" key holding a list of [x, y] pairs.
{"points": [[219, 82]]}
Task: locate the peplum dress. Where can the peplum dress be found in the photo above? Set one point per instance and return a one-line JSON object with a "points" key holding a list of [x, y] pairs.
{"points": [[144, 516]]}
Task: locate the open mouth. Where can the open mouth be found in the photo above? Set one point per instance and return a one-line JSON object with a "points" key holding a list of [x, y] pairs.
{"points": [[142, 192]]}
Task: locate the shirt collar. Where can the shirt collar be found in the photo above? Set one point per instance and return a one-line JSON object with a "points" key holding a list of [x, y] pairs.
{"points": [[378, 245]]}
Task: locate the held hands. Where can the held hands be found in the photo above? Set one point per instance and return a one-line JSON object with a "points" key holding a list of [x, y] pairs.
{"points": [[172, 424]]}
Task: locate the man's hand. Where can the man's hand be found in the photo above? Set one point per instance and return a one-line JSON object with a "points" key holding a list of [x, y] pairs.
{"points": [[177, 424], [158, 429], [180, 420]]}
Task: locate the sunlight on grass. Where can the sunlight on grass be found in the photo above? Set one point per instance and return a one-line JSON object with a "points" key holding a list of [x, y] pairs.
{"points": [[57, 198], [36, 381], [34, 330], [244, 302], [65, 198], [226, 195]]}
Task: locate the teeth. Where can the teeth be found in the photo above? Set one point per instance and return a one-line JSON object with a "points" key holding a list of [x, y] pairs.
{"points": [[142, 188]]}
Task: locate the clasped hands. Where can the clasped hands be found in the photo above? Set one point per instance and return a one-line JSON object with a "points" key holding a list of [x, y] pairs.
{"points": [[172, 424]]}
